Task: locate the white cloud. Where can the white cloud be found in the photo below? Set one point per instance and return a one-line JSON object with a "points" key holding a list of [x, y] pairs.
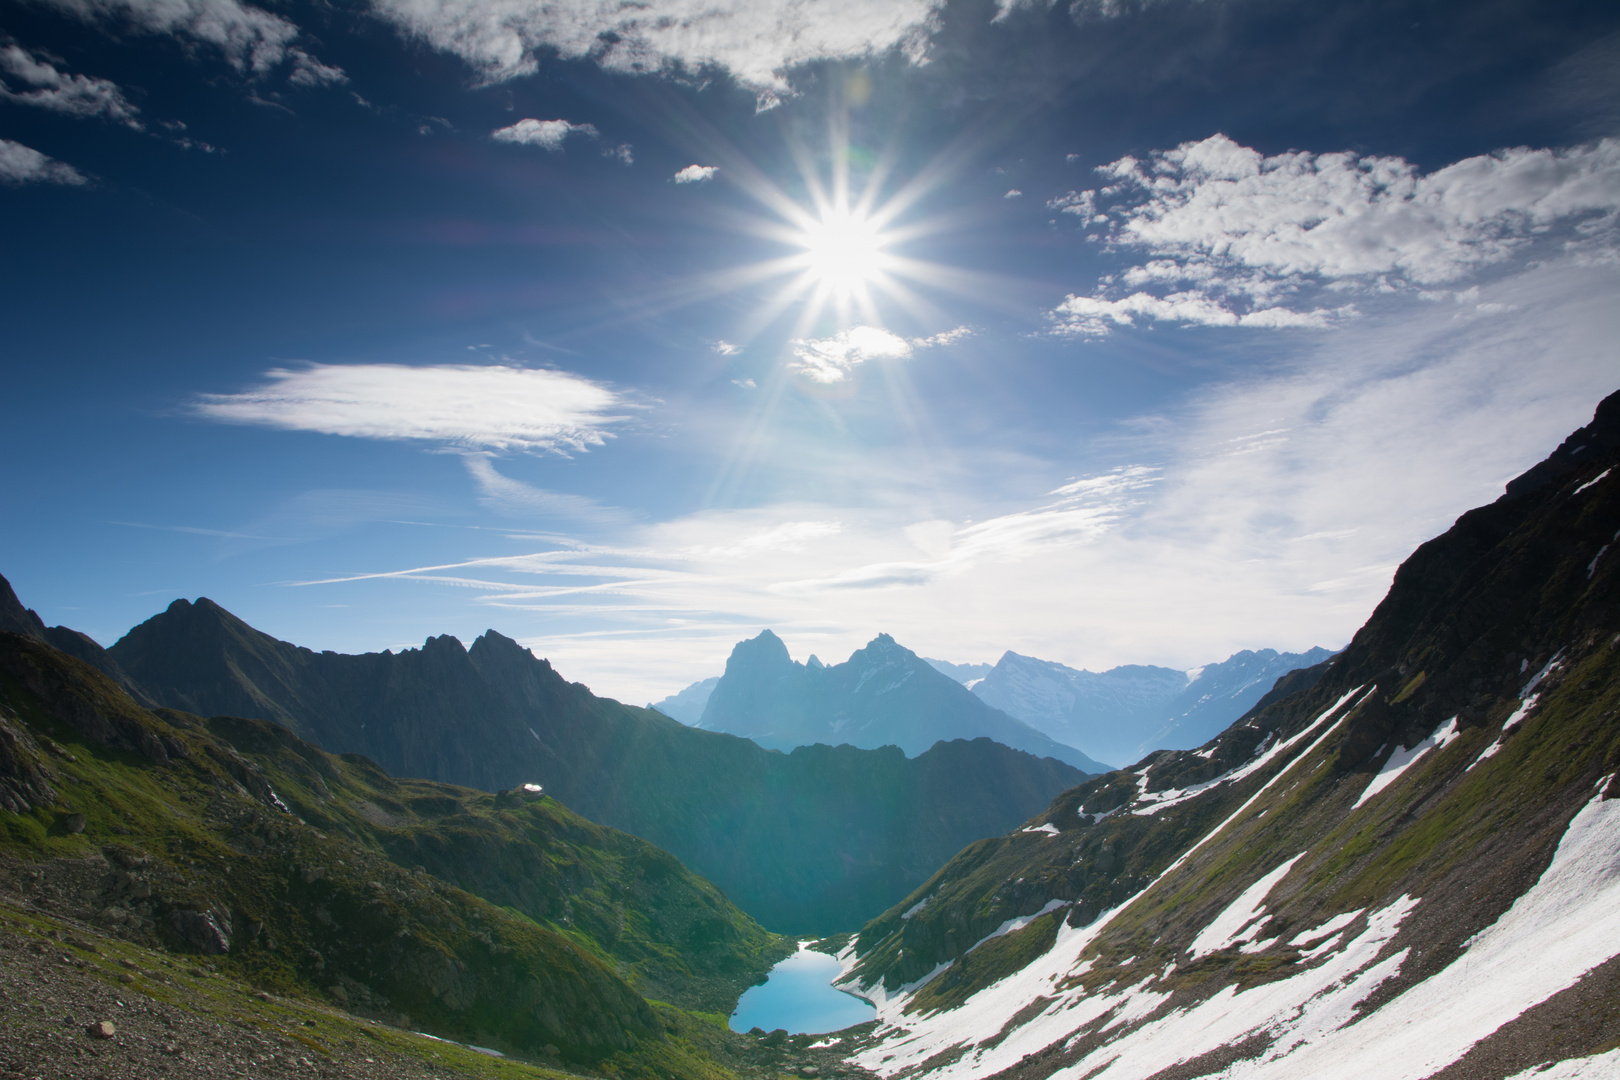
{"points": [[1013, 193], [944, 337], [830, 360], [726, 348], [548, 134], [473, 407], [756, 41], [21, 164], [834, 359], [1088, 315], [251, 39], [696, 174], [310, 72], [75, 95], [1240, 231]]}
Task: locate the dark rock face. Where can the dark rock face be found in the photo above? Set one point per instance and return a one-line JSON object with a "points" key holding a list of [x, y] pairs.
{"points": [[808, 842], [25, 777], [202, 931], [883, 695]]}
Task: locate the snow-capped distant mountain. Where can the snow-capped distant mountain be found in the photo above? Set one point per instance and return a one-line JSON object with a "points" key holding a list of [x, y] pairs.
{"points": [[1220, 693], [966, 674], [883, 695], [687, 706], [1126, 712]]}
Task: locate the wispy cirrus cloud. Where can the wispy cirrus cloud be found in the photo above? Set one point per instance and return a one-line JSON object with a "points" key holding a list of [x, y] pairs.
{"points": [[755, 41], [1237, 238], [463, 406], [514, 498], [33, 80], [21, 164]]}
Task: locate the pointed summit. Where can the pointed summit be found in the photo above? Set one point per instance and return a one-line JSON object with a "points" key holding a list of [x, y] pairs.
{"points": [[883, 695]]}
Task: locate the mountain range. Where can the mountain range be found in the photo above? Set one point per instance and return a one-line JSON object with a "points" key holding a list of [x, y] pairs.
{"points": [[1127, 712], [1403, 862], [806, 842], [1083, 717], [502, 920], [883, 695]]}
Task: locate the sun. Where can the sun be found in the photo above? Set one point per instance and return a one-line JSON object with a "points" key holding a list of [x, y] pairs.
{"points": [[843, 251]]}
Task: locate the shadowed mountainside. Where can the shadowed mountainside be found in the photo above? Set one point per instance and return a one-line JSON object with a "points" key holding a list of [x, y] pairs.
{"points": [[807, 842]]}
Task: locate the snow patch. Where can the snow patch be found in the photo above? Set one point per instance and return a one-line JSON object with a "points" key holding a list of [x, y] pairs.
{"points": [[1243, 917], [1338, 922], [914, 908], [1527, 702], [1404, 758], [1562, 927], [1150, 803], [1594, 480], [1020, 922], [1048, 828]]}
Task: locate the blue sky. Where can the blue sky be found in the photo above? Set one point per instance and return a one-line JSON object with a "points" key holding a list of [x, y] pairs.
{"points": [[1107, 332]]}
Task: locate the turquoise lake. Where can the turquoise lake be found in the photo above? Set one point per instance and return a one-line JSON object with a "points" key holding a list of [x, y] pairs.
{"points": [[799, 996]]}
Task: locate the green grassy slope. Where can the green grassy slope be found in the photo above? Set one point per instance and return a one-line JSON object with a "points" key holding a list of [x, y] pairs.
{"points": [[305, 875]]}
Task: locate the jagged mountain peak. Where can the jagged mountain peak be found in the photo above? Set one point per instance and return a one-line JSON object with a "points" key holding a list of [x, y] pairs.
{"points": [[16, 618], [884, 694], [763, 648]]}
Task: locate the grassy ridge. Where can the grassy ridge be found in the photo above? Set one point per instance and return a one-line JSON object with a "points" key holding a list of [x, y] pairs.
{"points": [[306, 875]]}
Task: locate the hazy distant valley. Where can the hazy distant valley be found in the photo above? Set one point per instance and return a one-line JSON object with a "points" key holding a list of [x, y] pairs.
{"points": [[1400, 860]]}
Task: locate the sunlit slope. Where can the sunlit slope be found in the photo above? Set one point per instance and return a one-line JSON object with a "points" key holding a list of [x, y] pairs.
{"points": [[813, 841], [497, 920], [1410, 868]]}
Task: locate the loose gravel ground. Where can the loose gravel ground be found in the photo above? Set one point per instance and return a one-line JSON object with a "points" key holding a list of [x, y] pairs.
{"points": [[61, 985]]}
